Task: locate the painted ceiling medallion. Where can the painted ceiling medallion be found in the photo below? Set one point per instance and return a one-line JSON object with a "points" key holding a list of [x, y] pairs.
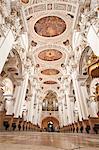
{"points": [[50, 82], [50, 26], [25, 1], [50, 55], [50, 72]]}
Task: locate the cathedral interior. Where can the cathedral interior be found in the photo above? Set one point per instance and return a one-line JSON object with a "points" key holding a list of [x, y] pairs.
{"points": [[49, 74]]}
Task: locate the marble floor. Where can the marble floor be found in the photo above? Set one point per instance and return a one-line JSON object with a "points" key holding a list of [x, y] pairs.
{"points": [[48, 141]]}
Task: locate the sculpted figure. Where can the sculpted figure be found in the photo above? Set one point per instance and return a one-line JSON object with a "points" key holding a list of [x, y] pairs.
{"points": [[2, 100]]}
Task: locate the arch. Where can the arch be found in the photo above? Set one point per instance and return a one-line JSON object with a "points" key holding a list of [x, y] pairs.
{"points": [[12, 54], [84, 53], [50, 93], [44, 92], [45, 121]]}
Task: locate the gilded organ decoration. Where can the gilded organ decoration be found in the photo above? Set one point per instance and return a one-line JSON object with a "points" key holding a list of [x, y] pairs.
{"points": [[50, 102], [50, 26], [50, 72], [50, 55], [94, 89], [93, 67]]}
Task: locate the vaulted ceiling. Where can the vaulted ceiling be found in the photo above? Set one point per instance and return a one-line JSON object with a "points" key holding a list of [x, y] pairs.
{"points": [[50, 26]]}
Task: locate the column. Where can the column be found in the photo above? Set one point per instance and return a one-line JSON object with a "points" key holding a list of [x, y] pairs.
{"points": [[36, 115], [36, 110], [21, 92], [40, 113], [84, 96], [16, 96], [61, 114], [31, 106], [81, 95], [72, 107], [64, 112], [24, 114], [69, 108], [29, 110], [78, 95], [9, 105], [93, 109]]}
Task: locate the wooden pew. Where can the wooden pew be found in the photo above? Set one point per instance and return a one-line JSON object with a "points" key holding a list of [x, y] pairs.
{"points": [[16, 122], [2, 116], [93, 121], [8, 119]]}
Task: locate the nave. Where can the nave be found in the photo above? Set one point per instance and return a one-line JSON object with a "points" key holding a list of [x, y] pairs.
{"points": [[48, 141], [49, 74]]}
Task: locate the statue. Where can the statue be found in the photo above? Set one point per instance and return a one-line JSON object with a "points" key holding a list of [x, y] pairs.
{"points": [[2, 100]]}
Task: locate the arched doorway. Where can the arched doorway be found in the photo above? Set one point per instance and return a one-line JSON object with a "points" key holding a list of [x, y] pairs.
{"points": [[50, 127], [50, 124]]}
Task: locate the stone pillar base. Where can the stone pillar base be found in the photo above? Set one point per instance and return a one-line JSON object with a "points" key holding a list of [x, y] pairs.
{"points": [[79, 125], [76, 127]]}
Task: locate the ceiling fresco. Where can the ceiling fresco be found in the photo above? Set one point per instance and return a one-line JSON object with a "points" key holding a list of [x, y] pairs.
{"points": [[25, 1], [50, 55], [50, 72], [50, 26]]}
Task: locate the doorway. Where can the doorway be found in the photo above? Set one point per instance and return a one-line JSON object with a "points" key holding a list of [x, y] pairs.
{"points": [[50, 127]]}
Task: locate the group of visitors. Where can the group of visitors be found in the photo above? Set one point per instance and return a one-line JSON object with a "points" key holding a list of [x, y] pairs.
{"points": [[14, 126]]}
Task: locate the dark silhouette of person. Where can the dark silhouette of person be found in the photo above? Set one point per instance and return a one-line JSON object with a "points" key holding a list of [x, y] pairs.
{"points": [[81, 129], [77, 129], [23, 127], [73, 130], [14, 126], [19, 126], [6, 125], [88, 129]]}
